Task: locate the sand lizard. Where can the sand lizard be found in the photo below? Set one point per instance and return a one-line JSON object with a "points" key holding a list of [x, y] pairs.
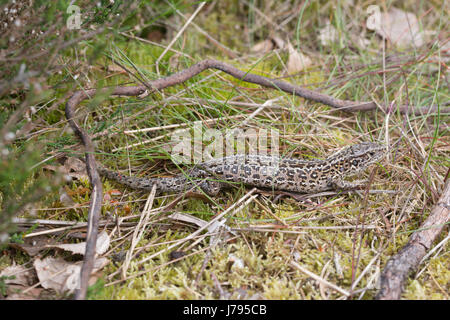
{"points": [[266, 172]]}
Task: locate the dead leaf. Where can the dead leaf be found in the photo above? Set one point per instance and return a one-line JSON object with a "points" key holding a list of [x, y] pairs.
{"points": [[16, 293], [279, 43], [102, 246], [103, 242], [187, 218], [297, 61], [18, 274], [268, 45], [32, 246], [400, 28], [328, 35], [262, 47], [60, 275]]}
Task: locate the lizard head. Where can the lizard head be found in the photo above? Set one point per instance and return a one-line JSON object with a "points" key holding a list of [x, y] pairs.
{"points": [[362, 155], [357, 157]]}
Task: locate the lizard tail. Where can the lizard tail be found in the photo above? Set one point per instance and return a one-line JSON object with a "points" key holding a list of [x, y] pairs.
{"points": [[132, 182], [175, 184]]}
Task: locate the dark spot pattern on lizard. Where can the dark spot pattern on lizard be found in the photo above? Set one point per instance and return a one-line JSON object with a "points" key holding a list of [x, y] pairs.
{"points": [[264, 171]]}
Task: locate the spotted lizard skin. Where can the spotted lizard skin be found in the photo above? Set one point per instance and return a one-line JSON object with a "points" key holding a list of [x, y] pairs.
{"points": [[275, 173]]}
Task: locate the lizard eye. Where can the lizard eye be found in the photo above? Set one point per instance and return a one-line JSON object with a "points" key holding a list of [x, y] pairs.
{"points": [[355, 163]]}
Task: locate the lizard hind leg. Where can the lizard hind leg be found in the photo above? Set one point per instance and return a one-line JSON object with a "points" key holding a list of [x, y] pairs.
{"points": [[211, 188]]}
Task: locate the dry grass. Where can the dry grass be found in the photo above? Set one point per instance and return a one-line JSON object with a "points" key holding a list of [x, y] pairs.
{"points": [[343, 239]]}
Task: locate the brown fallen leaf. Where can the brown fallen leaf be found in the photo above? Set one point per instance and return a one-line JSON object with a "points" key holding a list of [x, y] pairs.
{"points": [[328, 35], [279, 43], [18, 274], [400, 28], [32, 246], [262, 47], [297, 61], [15, 292], [188, 218], [60, 275], [102, 246], [265, 46]]}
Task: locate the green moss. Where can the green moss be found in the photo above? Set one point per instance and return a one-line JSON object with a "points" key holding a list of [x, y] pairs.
{"points": [[433, 284], [255, 264]]}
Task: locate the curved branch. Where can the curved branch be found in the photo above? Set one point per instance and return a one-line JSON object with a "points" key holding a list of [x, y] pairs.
{"points": [[96, 196], [344, 105]]}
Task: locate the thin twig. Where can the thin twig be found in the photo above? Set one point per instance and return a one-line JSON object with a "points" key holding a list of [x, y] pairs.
{"points": [[139, 231], [319, 279]]}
